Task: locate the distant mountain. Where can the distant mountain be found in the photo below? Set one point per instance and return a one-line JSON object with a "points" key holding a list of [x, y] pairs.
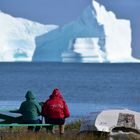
{"points": [[113, 35], [17, 37]]}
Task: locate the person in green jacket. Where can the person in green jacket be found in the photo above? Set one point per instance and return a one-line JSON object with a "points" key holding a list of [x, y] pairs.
{"points": [[30, 110]]}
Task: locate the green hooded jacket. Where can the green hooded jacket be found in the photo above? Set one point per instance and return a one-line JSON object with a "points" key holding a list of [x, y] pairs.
{"points": [[30, 109]]}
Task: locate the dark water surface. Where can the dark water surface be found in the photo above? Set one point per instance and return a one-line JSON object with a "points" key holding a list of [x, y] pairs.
{"points": [[85, 87]]}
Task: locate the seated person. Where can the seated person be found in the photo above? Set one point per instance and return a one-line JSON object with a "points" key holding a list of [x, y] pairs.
{"points": [[30, 110], [55, 110]]}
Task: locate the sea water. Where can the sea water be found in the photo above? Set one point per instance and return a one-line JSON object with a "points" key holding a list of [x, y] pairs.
{"points": [[85, 87]]}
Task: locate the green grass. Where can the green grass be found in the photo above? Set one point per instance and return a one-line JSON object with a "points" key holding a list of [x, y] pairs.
{"points": [[71, 133], [73, 125], [45, 136]]}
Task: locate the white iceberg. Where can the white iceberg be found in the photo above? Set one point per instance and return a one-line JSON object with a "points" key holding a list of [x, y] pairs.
{"points": [[17, 37], [96, 23], [118, 35]]}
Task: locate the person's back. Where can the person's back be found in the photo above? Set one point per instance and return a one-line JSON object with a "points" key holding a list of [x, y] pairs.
{"points": [[30, 110], [55, 110]]}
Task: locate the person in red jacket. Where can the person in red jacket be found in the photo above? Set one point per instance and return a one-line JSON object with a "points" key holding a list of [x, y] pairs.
{"points": [[55, 110]]}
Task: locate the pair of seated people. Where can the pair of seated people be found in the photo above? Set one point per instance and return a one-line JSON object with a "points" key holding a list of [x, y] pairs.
{"points": [[54, 110]]}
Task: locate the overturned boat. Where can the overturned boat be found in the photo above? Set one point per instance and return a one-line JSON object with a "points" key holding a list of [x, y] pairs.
{"points": [[111, 121]]}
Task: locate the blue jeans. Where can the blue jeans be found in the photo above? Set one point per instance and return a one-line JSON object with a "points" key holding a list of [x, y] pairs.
{"points": [[33, 128]]}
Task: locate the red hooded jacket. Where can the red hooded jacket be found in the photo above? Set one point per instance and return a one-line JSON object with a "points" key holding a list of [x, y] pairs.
{"points": [[55, 107]]}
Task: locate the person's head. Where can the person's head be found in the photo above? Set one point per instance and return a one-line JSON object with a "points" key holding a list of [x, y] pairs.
{"points": [[29, 95], [56, 93]]}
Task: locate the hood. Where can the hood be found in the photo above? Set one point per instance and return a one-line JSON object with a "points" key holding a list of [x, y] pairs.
{"points": [[56, 93], [29, 95]]}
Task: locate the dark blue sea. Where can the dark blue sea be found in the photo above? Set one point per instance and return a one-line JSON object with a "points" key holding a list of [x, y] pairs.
{"points": [[85, 87]]}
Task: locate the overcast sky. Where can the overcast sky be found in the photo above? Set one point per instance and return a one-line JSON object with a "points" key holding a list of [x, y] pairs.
{"points": [[64, 11], [45, 11]]}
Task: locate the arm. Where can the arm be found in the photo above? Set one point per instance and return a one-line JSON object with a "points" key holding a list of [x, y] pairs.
{"points": [[15, 111], [38, 106], [66, 110], [44, 109]]}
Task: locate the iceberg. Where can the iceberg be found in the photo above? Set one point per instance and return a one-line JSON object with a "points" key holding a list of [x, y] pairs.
{"points": [[118, 35], [95, 36], [109, 37], [17, 37], [86, 50], [50, 46]]}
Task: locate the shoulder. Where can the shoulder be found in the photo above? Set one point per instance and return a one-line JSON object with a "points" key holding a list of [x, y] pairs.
{"points": [[35, 102], [24, 102], [63, 101], [47, 101]]}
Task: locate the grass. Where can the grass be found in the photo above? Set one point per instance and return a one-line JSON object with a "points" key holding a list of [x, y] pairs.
{"points": [[44, 136], [71, 133], [73, 125]]}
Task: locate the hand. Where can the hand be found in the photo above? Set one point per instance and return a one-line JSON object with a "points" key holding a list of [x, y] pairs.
{"points": [[41, 103]]}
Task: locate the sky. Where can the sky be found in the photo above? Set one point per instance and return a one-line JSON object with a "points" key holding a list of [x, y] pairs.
{"points": [[45, 11], [61, 12]]}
